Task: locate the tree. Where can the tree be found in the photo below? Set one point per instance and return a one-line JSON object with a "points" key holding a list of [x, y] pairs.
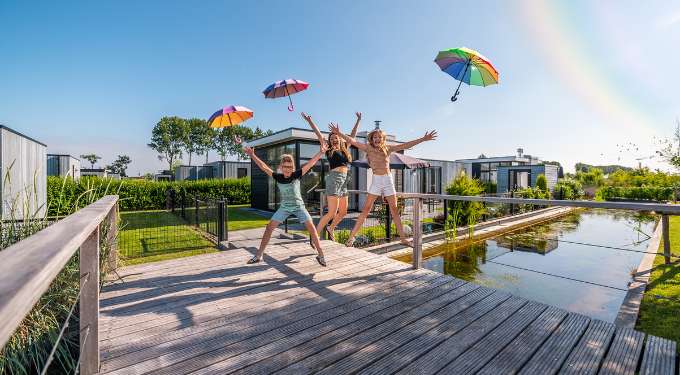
{"points": [[557, 163], [206, 140], [670, 153], [120, 165], [482, 156], [194, 140], [225, 144], [92, 158], [542, 182], [167, 138]]}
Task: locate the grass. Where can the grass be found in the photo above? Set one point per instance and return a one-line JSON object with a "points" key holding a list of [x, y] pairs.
{"points": [[160, 257], [662, 317], [239, 219]]}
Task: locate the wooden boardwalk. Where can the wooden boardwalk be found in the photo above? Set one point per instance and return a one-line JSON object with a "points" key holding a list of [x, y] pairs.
{"points": [[364, 314]]}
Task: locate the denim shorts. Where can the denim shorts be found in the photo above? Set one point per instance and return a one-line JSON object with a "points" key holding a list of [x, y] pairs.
{"points": [[281, 215], [337, 183]]}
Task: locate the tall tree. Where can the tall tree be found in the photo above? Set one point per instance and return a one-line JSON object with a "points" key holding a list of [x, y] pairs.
{"points": [[92, 158], [167, 138], [193, 142], [226, 145], [670, 152], [205, 137], [120, 165]]}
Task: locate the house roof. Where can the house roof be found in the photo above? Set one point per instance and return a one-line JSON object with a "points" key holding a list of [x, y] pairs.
{"points": [[495, 160], [291, 134]]}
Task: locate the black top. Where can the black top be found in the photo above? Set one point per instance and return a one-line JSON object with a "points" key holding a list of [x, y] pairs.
{"points": [[280, 178], [337, 159]]}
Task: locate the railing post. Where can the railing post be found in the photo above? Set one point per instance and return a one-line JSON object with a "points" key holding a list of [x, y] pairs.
{"points": [[112, 219], [512, 206], [665, 222], [418, 233], [285, 224], [388, 220], [197, 216], [89, 304], [322, 212]]}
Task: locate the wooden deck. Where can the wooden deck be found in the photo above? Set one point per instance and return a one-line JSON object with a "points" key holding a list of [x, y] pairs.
{"points": [[364, 314]]}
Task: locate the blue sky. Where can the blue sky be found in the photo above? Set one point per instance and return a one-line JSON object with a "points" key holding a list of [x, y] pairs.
{"points": [[576, 78]]}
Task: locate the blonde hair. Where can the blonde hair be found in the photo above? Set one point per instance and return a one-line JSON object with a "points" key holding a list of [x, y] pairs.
{"points": [[383, 145], [343, 147], [287, 158]]}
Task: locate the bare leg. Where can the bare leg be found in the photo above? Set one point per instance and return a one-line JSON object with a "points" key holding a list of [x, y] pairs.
{"points": [[315, 237], [332, 209], [360, 221], [392, 201], [342, 211], [266, 237]]}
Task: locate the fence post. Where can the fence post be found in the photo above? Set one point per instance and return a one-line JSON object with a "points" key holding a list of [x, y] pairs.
{"points": [[388, 220], [418, 233], [665, 222], [484, 214], [89, 304], [561, 193], [512, 206], [220, 220], [112, 219], [197, 216], [285, 223], [322, 212], [172, 200], [167, 200], [226, 218], [183, 194]]}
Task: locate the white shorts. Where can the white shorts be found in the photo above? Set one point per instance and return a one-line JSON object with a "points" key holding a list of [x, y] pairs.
{"points": [[382, 185]]}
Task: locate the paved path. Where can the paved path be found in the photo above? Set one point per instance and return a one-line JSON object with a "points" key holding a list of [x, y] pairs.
{"points": [[364, 314]]}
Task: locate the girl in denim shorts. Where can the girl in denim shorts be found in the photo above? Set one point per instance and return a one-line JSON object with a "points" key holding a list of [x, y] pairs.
{"points": [[291, 201]]}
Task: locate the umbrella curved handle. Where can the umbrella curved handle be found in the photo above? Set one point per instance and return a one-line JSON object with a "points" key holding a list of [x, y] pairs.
{"points": [[237, 139], [453, 98], [293, 107]]}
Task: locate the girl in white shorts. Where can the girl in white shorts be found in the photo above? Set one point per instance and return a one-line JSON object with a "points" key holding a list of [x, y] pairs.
{"points": [[378, 157]]}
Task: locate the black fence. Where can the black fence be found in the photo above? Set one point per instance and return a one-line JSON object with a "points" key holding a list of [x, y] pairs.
{"points": [[183, 224]]}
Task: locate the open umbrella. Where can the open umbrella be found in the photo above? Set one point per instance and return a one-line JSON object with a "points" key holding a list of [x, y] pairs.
{"points": [[466, 66], [230, 116], [283, 88], [397, 161]]}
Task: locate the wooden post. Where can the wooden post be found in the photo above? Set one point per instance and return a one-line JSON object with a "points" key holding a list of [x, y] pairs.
{"points": [[388, 220], [417, 233], [665, 222], [112, 219], [322, 212], [89, 304]]}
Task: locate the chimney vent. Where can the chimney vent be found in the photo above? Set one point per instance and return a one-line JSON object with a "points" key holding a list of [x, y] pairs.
{"points": [[377, 124], [520, 152]]}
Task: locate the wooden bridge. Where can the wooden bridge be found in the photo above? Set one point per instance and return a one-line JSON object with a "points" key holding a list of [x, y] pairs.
{"points": [[364, 314]]}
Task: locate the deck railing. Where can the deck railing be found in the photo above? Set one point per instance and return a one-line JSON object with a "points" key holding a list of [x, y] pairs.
{"points": [[28, 267], [663, 209]]}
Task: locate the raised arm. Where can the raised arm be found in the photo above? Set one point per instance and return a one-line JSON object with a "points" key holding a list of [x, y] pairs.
{"points": [[336, 129], [310, 164], [356, 126], [428, 137], [316, 130], [260, 163]]}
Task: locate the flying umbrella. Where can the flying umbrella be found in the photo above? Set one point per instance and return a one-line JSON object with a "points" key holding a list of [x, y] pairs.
{"points": [[230, 116], [466, 66], [283, 88]]}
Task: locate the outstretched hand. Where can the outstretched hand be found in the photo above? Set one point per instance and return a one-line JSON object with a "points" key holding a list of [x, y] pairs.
{"points": [[308, 118], [358, 116], [249, 151], [323, 148], [430, 136], [334, 128]]}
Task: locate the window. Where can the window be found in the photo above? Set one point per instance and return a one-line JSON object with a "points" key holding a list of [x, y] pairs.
{"points": [[484, 177], [308, 151], [241, 172], [493, 166], [484, 166]]}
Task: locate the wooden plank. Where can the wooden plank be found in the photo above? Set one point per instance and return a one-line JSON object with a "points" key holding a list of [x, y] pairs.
{"points": [[589, 352], [376, 325], [659, 357], [383, 335], [624, 353], [418, 233], [517, 353], [274, 324], [423, 350], [212, 354], [89, 304], [28, 267]]}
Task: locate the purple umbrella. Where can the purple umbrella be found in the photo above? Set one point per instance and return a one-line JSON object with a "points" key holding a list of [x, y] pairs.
{"points": [[397, 161], [283, 88]]}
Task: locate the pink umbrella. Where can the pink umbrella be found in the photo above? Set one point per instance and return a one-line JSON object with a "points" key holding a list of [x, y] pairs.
{"points": [[283, 88]]}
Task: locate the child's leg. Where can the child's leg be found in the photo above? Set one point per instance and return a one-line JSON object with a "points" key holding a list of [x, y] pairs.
{"points": [[315, 236], [332, 209], [364, 213], [392, 201], [342, 211], [266, 237]]}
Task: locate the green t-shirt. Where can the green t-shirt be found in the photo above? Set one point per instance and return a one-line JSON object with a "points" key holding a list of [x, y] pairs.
{"points": [[291, 200]]}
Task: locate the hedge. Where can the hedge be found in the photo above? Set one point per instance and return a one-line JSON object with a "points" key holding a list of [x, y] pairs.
{"points": [[646, 193], [62, 193]]}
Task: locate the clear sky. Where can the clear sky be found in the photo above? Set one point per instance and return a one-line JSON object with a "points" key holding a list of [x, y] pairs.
{"points": [[577, 79]]}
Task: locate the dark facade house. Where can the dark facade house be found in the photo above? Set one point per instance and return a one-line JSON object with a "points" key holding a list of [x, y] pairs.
{"points": [[63, 165], [519, 177]]}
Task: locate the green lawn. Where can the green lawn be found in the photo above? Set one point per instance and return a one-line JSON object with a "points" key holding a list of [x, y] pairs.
{"points": [[662, 317], [239, 219]]}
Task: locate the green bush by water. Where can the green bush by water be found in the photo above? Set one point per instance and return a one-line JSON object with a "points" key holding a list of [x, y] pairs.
{"points": [[462, 185], [66, 194], [644, 193]]}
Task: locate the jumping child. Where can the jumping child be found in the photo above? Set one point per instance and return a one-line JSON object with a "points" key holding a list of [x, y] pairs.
{"points": [[291, 200], [378, 157], [338, 180]]}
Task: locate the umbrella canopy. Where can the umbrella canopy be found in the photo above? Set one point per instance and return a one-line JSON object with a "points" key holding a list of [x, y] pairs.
{"points": [[283, 88], [229, 116], [467, 66], [397, 161]]}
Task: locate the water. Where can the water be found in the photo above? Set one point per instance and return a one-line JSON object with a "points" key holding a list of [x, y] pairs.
{"points": [[491, 262]]}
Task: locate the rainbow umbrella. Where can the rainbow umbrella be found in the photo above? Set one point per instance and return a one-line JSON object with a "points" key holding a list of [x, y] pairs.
{"points": [[283, 88], [466, 66], [230, 116]]}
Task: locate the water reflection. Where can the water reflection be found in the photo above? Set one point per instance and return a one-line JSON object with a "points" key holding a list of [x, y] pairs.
{"points": [[560, 250]]}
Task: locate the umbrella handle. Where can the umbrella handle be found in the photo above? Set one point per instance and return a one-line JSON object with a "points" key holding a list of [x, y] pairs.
{"points": [[291, 109], [454, 97], [237, 139]]}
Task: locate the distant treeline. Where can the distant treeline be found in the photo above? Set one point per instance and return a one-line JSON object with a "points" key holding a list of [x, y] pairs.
{"points": [[607, 169]]}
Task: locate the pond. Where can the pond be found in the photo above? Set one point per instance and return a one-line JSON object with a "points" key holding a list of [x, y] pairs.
{"points": [[538, 262]]}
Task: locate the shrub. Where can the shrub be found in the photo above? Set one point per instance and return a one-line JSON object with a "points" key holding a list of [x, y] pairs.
{"points": [[490, 187], [65, 194], [462, 185], [642, 193], [567, 189], [542, 182]]}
